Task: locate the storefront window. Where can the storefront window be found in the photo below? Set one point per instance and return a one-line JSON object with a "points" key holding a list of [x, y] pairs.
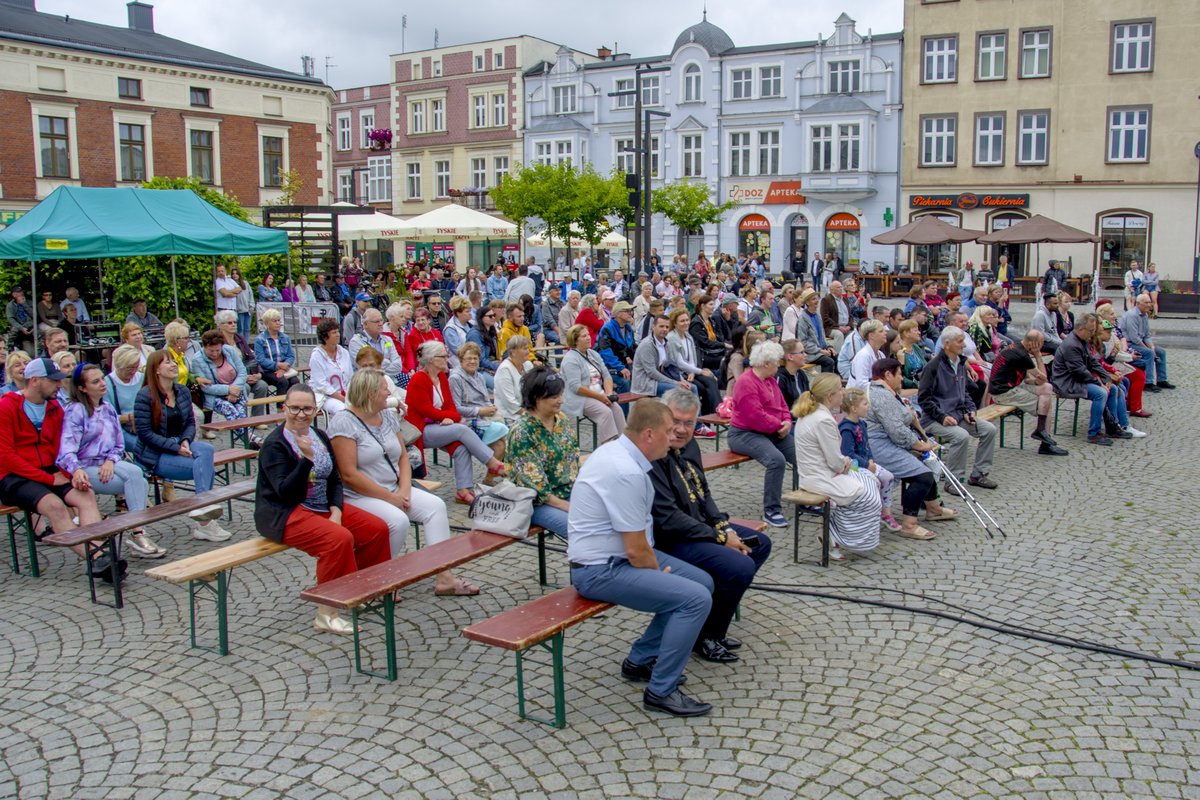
{"points": [[1123, 238], [933, 258], [799, 237], [842, 237], [1016, 252], [431, 252], [754, 236]]}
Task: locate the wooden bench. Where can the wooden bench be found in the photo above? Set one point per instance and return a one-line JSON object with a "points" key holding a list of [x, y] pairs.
{"points": [[255, 402], [538, 623], [240, 428], [803, 500], [369, 593], [997, 413], [107, 531], [722, 459], [717, 423], [223, 462], [200, 572], [625, 398], [21, 521]]}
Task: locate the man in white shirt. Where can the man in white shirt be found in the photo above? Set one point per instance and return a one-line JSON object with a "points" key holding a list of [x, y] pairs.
{"points": [[73, 300], [372, 336], [521, 285], [226, 290], [610, 547]]}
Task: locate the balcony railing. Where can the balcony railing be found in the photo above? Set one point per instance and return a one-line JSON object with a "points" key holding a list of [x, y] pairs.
{"points": [[477, 199]]}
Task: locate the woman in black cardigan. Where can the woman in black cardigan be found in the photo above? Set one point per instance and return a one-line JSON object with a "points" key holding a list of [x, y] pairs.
{"points": [[299, 502]]}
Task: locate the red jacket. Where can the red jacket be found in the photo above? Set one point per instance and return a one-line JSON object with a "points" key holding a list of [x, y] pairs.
{"points": [[592, 320], [23, 449], [412, 344], [421, 408]]}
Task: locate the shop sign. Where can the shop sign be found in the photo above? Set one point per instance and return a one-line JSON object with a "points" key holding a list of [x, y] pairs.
{"points": [[754, 222], [1120, 223], [8, 217], [842, 222], [968, 200], [767, 193]]}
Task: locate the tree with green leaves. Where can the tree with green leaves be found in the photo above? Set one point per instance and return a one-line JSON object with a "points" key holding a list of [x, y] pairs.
{"points": [[688, 206], [598, 199]]}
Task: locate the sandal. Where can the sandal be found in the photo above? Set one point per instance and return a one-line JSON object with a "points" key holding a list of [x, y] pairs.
{"points": [[916, 533], [462, 588], [835, 553], [942, 515], [464, 497]]}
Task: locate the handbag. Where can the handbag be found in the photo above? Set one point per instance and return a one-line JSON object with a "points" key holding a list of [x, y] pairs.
{"points": [[503, 508], [725, 407]]}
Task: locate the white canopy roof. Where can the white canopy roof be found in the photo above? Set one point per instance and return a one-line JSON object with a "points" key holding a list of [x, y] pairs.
{"points": [[611, 241], [452, 222]]}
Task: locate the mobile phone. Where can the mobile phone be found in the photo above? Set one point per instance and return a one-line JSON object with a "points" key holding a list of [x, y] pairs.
{"points": [[751, 540]]}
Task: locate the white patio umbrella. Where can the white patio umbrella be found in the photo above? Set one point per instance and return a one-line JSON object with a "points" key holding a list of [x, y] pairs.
{"points": [[611, 241], [454, 222]]}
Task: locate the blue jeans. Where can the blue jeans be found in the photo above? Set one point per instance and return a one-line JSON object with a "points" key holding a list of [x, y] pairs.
{"points": [[1101, 400], [551, 518], [198, 468], [1152, 361], [680, 600], [243, 324]]}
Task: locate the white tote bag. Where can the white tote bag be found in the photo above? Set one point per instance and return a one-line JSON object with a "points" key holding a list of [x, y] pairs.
{"points": [[503, 508]]}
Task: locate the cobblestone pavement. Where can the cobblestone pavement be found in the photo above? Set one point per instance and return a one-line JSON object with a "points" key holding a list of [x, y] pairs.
{"points": [[831, 699]]}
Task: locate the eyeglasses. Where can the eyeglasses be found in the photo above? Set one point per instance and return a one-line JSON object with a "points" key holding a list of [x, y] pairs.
{"points": [[301, 411], [683, 423]]}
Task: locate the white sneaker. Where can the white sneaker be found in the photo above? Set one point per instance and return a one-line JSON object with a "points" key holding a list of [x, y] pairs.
{"points": [[205, 514], [211, 532], [1134, 432], [210, 435], [140, 545], [330, 621]]}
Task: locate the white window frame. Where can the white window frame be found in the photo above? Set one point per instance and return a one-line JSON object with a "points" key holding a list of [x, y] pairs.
{"points": [[479, 111], [543, 152], [345, 186], [41, 109], [564, 99], [1124, 125], [691, 146], [849, 147], [344, 138], [627, 100], [821, 151], [498, 60], [564, 150], [500, 168], [845, 76], [499, 110], [416, 117], [479, 179], [477, 61], [692, 89], [772, 82], [437, 113], [942, 130], [412, 180], [437, 68], [741, 162], [1039, 46], [991, 47], [1030, 129], [651, 90], [212, 126], [769, 146], [145, 119], [278, 132], [622, 158], [939, 54], [987, 130], [741, 83], [363, 129], [441, 178], [1132, 40], [379, 179]]}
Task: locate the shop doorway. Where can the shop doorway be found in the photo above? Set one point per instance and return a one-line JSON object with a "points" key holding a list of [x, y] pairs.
{"points": [[842, 236], [754, 236], [1017, 253], [1124, 238], [689, 244], [798, 240]]}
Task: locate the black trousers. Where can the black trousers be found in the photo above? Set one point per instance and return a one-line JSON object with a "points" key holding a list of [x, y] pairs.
{"points": [[826, 363], [710, 395], [731, 571], [916, 492]]}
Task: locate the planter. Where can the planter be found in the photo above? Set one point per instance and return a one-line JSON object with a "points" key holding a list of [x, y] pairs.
{"points": [[1183, 304]]}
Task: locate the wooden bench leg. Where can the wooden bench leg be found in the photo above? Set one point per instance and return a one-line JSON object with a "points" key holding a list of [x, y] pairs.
{"points": [[382, 611], [93, 551], [219, 594], [554, 645]]}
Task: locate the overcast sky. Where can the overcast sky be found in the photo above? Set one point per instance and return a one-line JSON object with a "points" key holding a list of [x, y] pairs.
{"points": [[359, 35]]}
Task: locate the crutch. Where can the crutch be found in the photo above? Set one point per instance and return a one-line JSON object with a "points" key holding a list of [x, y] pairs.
{"points": [[974, 505]]}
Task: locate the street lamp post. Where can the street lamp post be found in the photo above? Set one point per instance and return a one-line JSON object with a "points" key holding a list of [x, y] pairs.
{"points": [[1196, 240], [643, 160], [648, 154]]}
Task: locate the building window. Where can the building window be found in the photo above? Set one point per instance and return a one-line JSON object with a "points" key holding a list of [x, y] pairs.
{"points": [[543, 153], [849, 147], [56, 160], [379, 179], [989, 140], [938, 142], [202, 156], [741, 82], [366, 124], [499, 169], [129, 88], [770, 81], [562, 153], [941, 60], [412, 180], [624, 100], [1133, 46], [498, 60], [272, 160], [441, 178], [844, 77], [626, 159], [1128, 135], [768, 152], [1033, 137], [201, 98], [822, 148], [343, 132], [739, 154], [693, 156], [564, 99], [345, 187], [479, 173], [438, 112], [691, 83], [650, 90], [1035, 53], [993, 56], [417, 116], [479, 63], [653, 156], [499, 110]]}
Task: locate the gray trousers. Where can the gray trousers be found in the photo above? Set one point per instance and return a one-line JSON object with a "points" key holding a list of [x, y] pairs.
{"points": [[954, 451], [774, 454], [472, 446]]}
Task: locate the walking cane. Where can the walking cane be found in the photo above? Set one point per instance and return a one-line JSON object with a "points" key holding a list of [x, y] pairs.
{"points": [[973, 504]]}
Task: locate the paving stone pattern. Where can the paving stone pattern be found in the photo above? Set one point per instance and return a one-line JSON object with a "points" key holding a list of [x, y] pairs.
{"points": [[831, 699]]}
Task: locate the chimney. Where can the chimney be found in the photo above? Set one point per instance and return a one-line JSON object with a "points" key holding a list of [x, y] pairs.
{"points": [[141, 16], [603, 52]]}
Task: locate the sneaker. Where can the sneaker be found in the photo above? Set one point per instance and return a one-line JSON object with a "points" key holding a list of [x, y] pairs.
{"points": [[775, 520], [331, 622], [140, 545], [255, 441], [205, 514], [705, 432], [1140, 413], [1152, 389], [1100, 439], [889, 520], [1133, 432], [168, 491], [263, 428], [948, 489], [1120, 433], [982, 481], [211, 532], [210, 435]]}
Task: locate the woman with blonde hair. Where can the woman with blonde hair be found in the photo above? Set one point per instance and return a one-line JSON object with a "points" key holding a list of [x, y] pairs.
{"points": [[274, 352], [66, 361], [121, 389], [176, 339], [14, 369], [133, 335], [853, 493]]}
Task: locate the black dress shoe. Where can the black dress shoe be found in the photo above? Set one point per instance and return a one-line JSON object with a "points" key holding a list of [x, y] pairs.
{"points": [[1052, 450], [1152, 388], [641, 672], [1120, 433], [1043, 437], [730, 643], [102, 568], [1165, 385], [712, 650], [676, 703]]}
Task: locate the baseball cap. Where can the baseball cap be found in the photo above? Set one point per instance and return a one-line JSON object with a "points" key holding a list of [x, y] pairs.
{"points": [[622, 306], [587, 277], [44, 368], [363, 296], [729, 299]]}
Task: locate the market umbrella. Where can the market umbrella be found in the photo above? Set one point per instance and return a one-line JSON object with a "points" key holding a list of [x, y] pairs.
{"points": [[1038, 229], [454, 222], [927, 229], [610, 241]]}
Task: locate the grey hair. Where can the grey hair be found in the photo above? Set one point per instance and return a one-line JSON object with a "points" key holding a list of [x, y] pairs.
{"points": [[225, 315], [429, 351], [372, 312], [573, 293], [682, 399], [765, 353], [951, 332], [271, 314], [517, 342], [868, 327]]}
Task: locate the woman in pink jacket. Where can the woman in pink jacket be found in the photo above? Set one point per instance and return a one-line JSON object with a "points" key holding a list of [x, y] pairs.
{"points": [[761, 426]]}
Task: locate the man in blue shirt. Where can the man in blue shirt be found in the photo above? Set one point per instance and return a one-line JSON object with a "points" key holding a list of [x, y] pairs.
{"points": [[610, 546], [616, 344]]}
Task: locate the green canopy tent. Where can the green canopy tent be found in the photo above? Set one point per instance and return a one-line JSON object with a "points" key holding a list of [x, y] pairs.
{"points": [[78, 223]]}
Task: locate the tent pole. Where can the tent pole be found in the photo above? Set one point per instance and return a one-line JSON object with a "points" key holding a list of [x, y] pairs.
{"points": [[174, 286], [289, 259], [34, 304], [100, 271]]}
